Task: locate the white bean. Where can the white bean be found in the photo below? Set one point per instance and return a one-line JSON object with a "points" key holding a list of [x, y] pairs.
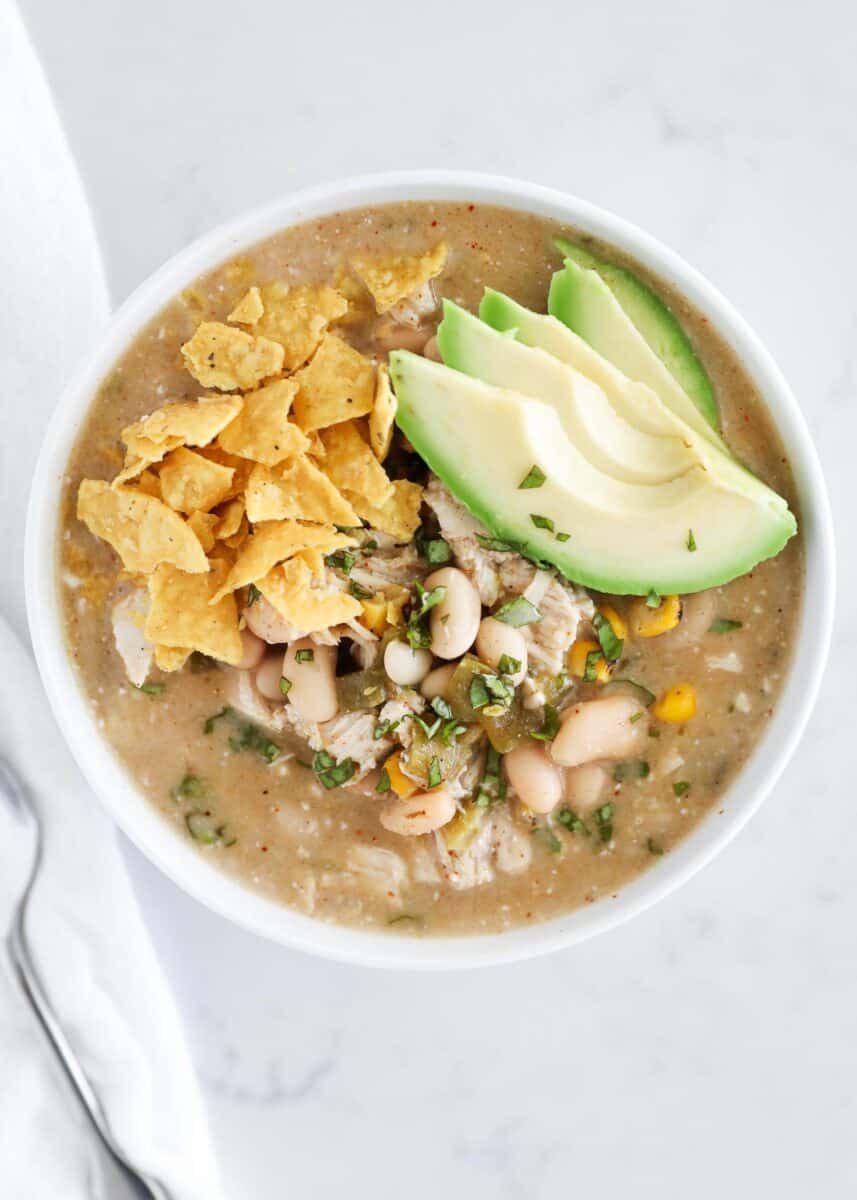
{"points": [[534, 777], [268, 676], [253, 651], [495, 639], [437, 681], [455, 621], [405, 666], [584, 786], [421, 813], [313, 690], [596, 729]]}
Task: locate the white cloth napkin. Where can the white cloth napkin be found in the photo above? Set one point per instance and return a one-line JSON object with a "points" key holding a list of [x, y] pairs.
{"points": [[89, 942]]}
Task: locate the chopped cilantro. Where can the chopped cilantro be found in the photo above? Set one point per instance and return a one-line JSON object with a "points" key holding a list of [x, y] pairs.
{"points": [[433, 550], [189, 787], [383, 785], [304, 656], [442, 707], [358, 591], [417, 634], [590, 668], [508, 665], [478, 693], [152, 689], [210, 722], [251, 737], [610, 644], [691, 540], [563, 537], [534, 478], [635, 768], [330, 773], [492, 543], [541, 522], [681, 787], [653, 847], [435, 778], [653, 600], [569, 819], [604, 821], [724, 625], [550, 725], [342, 560], [253, 595], [518, 612], [547, 836], [492, 786], [285, 685], [385, 727]]}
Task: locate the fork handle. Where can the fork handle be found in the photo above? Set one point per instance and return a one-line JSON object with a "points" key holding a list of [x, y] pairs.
{"points": [[139, 1187]]}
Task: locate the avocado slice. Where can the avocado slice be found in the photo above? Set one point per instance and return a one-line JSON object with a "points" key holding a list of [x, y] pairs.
{"points": [[591, 418], [582, 300], [624, 538], [655, 323]]}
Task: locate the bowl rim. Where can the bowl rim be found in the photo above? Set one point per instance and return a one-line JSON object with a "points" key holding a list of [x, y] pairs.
{"points": [[175, 856]]}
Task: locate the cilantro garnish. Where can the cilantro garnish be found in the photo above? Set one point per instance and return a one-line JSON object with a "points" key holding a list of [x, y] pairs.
{"points": [[518, 612], [550, 725], [724, 625], [534, 478]]}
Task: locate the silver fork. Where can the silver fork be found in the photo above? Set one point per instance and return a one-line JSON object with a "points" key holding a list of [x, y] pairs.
{"points": [[137, 1183]]}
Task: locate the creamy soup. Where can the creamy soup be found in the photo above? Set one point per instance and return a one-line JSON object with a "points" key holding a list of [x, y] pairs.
{"points": [[430, 771]]}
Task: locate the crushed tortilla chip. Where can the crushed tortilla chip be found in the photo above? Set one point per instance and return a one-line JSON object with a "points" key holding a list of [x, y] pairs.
{"points": [[229, 518], [249, 308], [190, 482], [297, 318], [241, 468], [221, 357], [399, 516], [297, 489], [142, 530], [316, 445], [350, 464], [314, 559], [181, 423], [184, 615], [360, 303], [171, 658], [262, 430], [149, 483], [392, 278], [204, 525], [382, 416], [297, 596], [337, 385], [272, 543], [239, 537]]}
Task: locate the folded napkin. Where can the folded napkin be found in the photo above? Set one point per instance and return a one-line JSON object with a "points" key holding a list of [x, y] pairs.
{"points": [[88, 940]]}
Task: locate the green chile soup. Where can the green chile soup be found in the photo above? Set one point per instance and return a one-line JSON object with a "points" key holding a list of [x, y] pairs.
{"points": [[430, 567]]}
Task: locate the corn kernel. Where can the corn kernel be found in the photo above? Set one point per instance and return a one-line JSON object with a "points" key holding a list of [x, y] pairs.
{"points": [[676, 705], [652, 622], [617, 623], [374, 615], [400, 783], [577, 656]]}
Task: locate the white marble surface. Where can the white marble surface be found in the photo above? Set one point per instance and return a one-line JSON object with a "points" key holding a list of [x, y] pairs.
{"points": [[709, 1047]]}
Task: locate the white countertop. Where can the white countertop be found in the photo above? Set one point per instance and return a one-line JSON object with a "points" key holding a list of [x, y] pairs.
{"points": [[712, 1043]]}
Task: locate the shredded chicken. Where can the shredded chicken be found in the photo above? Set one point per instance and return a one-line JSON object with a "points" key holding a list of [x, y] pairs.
{"points": [[500, 845], [562, 607], [135, 650], [460, 529], [390, 564]]}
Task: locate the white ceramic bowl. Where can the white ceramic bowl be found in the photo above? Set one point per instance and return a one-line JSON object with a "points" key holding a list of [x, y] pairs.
{"points": [[175, 855]]}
